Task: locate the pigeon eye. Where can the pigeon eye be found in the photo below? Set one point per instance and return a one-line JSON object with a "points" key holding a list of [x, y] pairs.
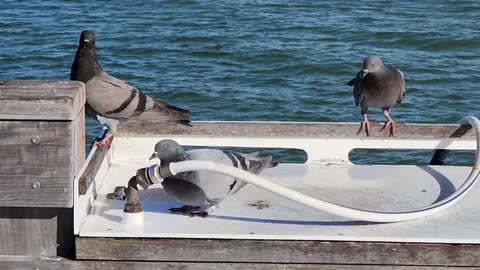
{"points": [[164, 147]]}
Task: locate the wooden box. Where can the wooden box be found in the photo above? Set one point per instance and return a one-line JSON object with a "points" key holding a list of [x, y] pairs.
{"points": [[42, 134]]}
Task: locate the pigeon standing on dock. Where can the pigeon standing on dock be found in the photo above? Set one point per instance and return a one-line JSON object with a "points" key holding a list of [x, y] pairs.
{"points": [[378, 85], [201, 191], [110, 100]]}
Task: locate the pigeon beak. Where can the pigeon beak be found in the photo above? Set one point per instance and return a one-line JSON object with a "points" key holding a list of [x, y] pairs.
{"points": [[364, 72], [154, 155]]}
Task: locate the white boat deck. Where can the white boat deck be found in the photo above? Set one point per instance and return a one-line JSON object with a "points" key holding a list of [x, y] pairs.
{"points": [[256, 214]]}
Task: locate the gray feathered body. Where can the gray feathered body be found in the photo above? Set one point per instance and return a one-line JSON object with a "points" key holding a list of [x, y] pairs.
{"points": [[383, 88], [201, 188], [110, 100]]}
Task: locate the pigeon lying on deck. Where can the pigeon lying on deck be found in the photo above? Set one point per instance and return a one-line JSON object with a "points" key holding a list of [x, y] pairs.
{"points": [[378, 85], [201, 191], [110, 100]]}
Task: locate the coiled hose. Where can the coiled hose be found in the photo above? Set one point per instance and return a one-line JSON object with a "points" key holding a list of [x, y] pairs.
{"points": [[346, 212]]}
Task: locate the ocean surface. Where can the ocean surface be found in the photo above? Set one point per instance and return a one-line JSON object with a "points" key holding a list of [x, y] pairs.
{"points": [[262, 60]]}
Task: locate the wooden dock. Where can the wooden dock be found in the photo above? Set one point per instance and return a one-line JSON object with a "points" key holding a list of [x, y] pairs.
{"points": [[42, 144]]}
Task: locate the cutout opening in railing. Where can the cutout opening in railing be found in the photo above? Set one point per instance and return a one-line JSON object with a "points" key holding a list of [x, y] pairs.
{"points": [[283, 155], [411, 157]]}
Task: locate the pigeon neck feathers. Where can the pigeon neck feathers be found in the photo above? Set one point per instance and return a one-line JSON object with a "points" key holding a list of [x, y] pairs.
{"points": [[85, 66], [169, 151]]}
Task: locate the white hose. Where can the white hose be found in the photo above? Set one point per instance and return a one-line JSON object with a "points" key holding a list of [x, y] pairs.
{"points": [[338, 210]]}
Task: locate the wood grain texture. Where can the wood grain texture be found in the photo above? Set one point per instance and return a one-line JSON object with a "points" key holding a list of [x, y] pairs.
{"points": [[79, 140], [36, 231], [41, 100], [276, 251], [91, 170], [48, 263], [49, 162], [291, 129], [48, 133]]}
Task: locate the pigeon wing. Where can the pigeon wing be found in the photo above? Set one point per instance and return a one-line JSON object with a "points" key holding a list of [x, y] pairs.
{"points": [[114, 98], [249, 163], [358, 93], [404, 90]]}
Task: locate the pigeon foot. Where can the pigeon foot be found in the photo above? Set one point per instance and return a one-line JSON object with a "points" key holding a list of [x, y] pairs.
{"points": [[193, 211], [103, 141], [365, 126], [393, 127]]}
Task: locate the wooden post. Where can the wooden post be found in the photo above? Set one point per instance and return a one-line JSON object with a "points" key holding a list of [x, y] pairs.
{"points": [[42, 147]]}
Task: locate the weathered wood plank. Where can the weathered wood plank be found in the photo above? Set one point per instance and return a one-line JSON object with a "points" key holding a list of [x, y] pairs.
{"points": [[36, 133], [291, 129], [38, 176], [47, 263], [277, 251], [79, 140], [41, 100], [92, 168], [38, 159], [37, 164], [36, 231]]}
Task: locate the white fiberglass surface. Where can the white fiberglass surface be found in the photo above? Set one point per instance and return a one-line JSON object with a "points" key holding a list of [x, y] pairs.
{"points": [[253, 213]]}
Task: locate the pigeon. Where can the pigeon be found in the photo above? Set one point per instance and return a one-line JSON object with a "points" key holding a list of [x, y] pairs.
{"points": [[201, 191], [378, 85], [110, 100]]}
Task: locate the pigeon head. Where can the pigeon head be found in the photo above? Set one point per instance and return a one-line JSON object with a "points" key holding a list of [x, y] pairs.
{"points": [[371, 64], [85, 65], [169, 151], [87, 39]]}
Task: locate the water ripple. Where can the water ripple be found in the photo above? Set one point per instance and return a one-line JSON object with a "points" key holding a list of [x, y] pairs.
{"points": [[258, 60]]}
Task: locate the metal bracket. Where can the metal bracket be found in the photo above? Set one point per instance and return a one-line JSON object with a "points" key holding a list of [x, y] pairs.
{"points": [[118, 194]]}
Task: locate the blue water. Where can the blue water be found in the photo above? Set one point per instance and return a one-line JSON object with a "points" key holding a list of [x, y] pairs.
{"points": [[260, 60]]}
